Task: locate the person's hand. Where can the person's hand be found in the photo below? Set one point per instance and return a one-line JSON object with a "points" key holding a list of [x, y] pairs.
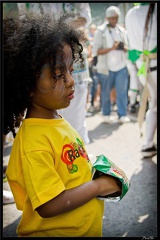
{"points": [[115, 45], [90, 59], [108, 185], [125, 48]]}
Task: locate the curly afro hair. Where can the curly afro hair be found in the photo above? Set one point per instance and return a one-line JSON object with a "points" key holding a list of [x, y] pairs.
{"points": [[27, 45]]}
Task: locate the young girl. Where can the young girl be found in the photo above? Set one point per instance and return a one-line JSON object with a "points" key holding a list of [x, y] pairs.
{"points": [[49, 171]]}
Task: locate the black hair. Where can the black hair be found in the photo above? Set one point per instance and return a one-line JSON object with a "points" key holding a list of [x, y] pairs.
{"points": [[28, 44]]}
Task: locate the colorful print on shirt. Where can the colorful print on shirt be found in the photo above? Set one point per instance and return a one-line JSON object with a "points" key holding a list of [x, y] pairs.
{"points": [[72, 151]]}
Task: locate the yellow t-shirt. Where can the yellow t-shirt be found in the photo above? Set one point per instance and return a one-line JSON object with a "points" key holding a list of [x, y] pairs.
{"points": [[47, 157]]}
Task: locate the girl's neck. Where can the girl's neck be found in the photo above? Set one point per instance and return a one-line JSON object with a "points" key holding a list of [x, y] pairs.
{"points": [[45, 114]]}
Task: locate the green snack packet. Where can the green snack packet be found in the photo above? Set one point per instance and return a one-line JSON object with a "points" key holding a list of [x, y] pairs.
{"points": [[105, 166]]}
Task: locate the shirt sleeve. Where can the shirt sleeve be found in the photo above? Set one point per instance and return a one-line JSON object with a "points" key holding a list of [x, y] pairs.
{"points": [[97, 43], [41, 178]]}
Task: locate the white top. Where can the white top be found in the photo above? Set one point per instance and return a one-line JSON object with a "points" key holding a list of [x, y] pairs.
{"points": [[135, 23], [116, 59]]}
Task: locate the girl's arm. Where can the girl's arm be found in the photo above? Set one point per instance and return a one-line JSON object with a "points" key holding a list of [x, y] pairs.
{"points": [[75, 197]]}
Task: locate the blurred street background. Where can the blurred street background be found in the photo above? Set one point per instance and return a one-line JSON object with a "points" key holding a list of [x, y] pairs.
{"points": [[97, 10]]}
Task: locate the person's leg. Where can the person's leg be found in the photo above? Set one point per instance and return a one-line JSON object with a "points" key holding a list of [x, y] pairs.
{"points": [[94, 87], [121, 85], [97, 98], [151, 115], [133, 85], [105, 93], [7, 195], [113, 98], [113, 95]]}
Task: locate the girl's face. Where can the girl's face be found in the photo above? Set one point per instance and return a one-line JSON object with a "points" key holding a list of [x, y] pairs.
{"points": [[50, 96]]}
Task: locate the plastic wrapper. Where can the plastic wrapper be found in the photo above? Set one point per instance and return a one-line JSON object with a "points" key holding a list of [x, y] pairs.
{"points": [[103, 165]]}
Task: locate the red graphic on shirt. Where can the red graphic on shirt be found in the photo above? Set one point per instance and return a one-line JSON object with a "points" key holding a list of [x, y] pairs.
{"points": [[71, 152]]}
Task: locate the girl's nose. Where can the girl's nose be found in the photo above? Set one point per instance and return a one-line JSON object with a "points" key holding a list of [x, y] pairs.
{"points": [[69, 80]]}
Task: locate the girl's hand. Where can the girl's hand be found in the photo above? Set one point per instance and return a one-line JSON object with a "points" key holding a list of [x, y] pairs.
{"points": [[108, 185]]}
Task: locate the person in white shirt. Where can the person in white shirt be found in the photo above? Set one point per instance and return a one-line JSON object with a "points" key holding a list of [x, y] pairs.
{"points": [[141, 25], [110, 45]]}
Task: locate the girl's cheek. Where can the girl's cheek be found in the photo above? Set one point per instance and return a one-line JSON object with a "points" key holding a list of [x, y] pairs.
{"points": [[45, 84]]}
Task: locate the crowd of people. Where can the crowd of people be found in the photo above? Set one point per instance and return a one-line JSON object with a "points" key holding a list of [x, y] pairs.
{"points": [[49, 99], [120, 55]]}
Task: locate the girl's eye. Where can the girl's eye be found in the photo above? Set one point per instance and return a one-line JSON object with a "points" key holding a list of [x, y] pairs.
{"points": [[59, 76], [71, 71]]}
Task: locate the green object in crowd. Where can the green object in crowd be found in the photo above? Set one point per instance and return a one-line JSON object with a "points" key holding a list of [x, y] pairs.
{"points": [[142, 4], [142, 70], [27, 5], [134, 54], [105, 166]]}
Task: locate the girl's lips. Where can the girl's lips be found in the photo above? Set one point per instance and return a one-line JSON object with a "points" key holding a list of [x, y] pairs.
{"points": [[70, 96]]}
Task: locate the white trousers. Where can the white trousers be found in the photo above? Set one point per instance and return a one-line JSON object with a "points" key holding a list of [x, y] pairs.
{"points": [[151, 115], [75, 114], [134, 81]]}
